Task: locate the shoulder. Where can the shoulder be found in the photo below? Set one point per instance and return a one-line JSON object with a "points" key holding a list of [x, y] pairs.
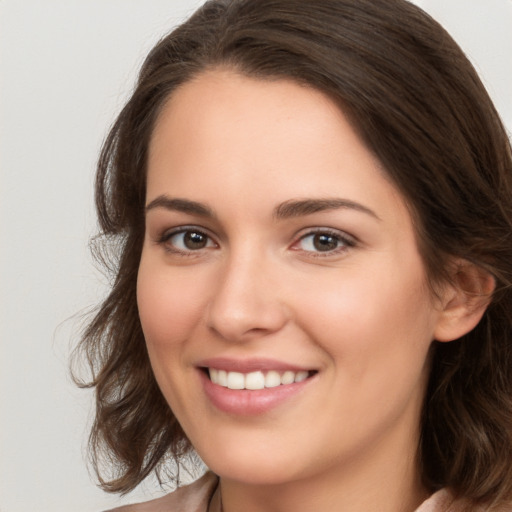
{"points": [[189, 498], [444, 501]]}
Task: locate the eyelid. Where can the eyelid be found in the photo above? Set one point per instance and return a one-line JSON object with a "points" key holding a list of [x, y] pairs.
{"points": [[348, 241], [167, 234]]}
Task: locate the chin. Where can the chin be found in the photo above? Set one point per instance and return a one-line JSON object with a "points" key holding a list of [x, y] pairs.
{"points": [[250, 463], [267, 474]]}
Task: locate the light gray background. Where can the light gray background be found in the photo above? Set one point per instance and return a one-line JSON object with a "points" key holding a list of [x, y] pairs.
{"points": [[66, 67]]}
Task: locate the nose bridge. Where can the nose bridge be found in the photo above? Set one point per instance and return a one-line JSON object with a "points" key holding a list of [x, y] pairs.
{"points": [[246, 301]]}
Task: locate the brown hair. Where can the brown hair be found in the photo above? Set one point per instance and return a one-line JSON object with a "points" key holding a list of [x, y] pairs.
{"points": [[418, 104]]}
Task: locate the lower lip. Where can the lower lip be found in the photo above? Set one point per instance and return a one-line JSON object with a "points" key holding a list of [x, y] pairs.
{"points": [[246, 402]]}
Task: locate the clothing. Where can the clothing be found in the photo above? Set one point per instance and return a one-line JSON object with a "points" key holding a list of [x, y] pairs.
{"points": [[195, 497], [203, 496], [443, 501]]}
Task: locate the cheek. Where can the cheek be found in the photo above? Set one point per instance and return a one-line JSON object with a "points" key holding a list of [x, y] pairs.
{"points": [[169, 309], [169, 305], [366, 318]]}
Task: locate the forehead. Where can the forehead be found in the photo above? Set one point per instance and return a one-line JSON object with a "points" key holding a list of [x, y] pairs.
{"points": [[258, 139], [229, 105]]}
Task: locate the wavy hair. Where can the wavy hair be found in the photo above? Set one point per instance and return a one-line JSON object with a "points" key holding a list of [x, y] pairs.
{"points": [[416, 101]]}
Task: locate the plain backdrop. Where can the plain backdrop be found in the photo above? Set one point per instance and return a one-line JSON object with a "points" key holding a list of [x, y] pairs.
{"points": [[66, 67]]}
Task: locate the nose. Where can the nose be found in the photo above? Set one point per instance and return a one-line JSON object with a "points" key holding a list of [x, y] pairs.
{"points": [[247, 301]]}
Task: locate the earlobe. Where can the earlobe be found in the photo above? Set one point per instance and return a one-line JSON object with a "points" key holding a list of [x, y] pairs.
{"points": [[464, 300]]}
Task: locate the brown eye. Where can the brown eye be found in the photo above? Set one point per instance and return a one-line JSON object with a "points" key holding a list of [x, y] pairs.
{"points": [[187, 240], [194, 240], [325, 242]]}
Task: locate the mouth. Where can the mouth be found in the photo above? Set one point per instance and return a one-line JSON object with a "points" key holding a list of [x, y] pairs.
{"points": [[253, 386], [256, 380]]}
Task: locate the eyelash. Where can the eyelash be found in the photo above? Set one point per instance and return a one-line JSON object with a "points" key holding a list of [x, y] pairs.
{"points": [[182, 230], [343, 240]]}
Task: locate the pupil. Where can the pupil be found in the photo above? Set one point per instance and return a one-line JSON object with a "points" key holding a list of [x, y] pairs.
{"points": [[325, 242], [194, 240]]}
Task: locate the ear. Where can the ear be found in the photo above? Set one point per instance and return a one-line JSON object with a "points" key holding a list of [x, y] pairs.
{"points": [[463, 300]]}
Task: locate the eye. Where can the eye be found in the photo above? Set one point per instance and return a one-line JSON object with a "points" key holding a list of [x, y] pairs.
{"points": [[324, 241], [186, 240]]}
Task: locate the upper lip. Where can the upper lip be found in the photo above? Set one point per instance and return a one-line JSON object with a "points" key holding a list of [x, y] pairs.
{"points": [[250, 365]]}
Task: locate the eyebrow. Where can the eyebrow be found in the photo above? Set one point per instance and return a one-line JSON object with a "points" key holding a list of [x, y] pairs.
{"points": [[286, 210], [301, 207], [180, 205]]}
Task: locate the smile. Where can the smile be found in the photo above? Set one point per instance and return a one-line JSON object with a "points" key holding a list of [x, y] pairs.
{"points": [[255, 380], [252, 387]]}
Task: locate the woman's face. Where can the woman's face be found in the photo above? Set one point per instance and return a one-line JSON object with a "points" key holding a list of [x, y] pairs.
{"points": [[278, 257]]}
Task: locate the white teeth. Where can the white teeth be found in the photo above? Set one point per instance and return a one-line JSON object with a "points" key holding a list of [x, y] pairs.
{"points": [[300, 376], [255, 380], [223, 378], [236, 380], [272, 379], [288, 377]]}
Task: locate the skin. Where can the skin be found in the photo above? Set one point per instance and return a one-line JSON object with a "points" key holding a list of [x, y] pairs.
{"points": [[360, 315]]}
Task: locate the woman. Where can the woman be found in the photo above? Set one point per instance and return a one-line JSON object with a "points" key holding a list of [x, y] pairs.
{"points": [[311, 204]]}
